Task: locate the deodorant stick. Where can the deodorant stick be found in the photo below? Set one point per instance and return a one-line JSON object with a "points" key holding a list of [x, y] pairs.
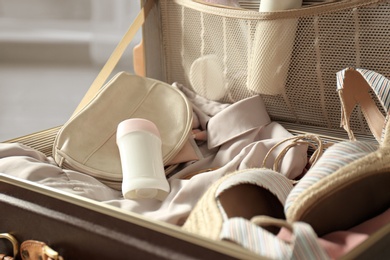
{"points": [[139, 144]]}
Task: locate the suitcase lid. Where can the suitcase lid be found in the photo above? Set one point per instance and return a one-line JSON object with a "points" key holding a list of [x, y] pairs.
{"points": [[181, 35]]}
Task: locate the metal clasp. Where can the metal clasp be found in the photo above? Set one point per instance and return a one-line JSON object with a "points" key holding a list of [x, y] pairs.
{"points": [[14, 242]]}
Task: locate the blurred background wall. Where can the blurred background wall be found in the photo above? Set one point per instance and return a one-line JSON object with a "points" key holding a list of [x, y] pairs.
{"points": [[50, 52]]}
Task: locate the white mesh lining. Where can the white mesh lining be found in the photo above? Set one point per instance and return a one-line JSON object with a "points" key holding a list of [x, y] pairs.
{"points": [[324, 44]]}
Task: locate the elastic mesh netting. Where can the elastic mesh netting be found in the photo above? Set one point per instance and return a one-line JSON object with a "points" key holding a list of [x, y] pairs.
{"points": [[228, 58]]}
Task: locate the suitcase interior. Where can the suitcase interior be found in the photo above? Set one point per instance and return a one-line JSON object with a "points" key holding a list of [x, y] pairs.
{"points": [[79, 228]]}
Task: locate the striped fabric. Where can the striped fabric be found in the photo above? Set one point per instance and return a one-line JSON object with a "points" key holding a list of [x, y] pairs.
{"points": [[379, 84], [334, 158], [340, 76], [264, 243]]}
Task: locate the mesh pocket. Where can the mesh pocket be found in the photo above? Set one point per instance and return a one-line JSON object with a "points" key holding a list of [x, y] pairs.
{"points": [[289, 58]]}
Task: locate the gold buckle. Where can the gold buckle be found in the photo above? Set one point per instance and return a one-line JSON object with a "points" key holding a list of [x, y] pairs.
{"points": [[14, 242]]}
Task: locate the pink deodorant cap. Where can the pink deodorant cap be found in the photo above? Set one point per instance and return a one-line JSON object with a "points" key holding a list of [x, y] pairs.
{"points": [[136, 124]]}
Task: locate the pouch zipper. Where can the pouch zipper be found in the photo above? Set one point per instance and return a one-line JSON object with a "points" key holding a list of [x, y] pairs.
{"points": [[65, 161]]}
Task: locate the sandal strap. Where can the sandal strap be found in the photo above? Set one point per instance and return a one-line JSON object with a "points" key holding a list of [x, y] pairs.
{"points": [[304, 244], [314, 141], [276, 183], [354, 87]]}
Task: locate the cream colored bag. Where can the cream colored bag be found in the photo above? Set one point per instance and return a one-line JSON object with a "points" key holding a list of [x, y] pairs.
{"points": [[87, 141]]}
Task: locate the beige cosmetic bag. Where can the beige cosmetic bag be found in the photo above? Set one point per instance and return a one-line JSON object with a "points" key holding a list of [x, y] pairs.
{"points": [[87, 141]]}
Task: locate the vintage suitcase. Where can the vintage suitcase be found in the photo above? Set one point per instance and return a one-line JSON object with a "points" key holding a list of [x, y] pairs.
{"points": [[177, 33]]}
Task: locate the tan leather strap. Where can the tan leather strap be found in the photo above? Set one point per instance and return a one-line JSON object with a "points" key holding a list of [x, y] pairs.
{"points": [[139, 59], [116, 55], [37, 250]]}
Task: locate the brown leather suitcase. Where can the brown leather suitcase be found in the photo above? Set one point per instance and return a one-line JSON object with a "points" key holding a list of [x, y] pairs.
{"points": [[79, 228]]}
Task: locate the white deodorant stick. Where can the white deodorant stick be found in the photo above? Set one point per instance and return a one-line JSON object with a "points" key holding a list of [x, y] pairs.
{"points": [[139, 144]]}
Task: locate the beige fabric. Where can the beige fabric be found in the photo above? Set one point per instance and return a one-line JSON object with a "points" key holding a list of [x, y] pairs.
{"points": [[233, 131], [241, 150], [25, 163], [87, 142]]}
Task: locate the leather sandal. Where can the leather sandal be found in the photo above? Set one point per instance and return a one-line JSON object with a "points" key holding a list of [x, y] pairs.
{"points": [[349, 183], [245, 193], [246, 207]]}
